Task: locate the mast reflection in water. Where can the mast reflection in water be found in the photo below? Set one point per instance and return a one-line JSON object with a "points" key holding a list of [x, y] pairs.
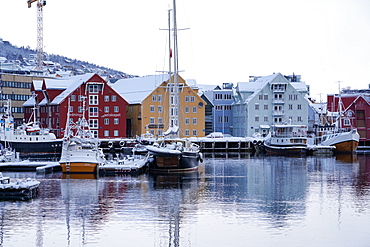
{"points": [[233, 200]]}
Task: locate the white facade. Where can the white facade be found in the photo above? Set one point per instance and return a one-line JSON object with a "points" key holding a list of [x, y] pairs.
{"points": [[267, 101]]}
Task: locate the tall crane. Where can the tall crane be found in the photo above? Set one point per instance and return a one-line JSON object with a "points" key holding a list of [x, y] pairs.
{"points": [[40, 37]]}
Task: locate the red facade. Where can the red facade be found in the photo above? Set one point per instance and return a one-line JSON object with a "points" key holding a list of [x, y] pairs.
{"points": [[356, 113], [104, 109]]}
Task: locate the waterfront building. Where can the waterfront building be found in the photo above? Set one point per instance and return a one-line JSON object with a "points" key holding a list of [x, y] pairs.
{"points": [[222, 100], [87, 94], [269, 100], [354, 111], [149, 105], [16, 87], [208, 120]]}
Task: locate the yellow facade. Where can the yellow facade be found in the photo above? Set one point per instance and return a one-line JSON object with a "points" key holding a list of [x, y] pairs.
{"points": [[153, 114]]}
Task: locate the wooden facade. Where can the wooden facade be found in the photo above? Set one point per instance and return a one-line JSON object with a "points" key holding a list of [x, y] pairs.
{"points": [[103, 107]]}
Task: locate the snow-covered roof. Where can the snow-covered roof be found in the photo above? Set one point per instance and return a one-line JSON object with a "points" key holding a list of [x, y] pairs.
{"points": [[29, 102], [253, 86], [72, 84], [37, 84], [136, 89]]}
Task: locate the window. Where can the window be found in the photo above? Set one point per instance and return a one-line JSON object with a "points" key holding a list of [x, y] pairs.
{"points": [[106, 133], [187, 109], [160, 132], [265, 107], [192, 98], [93, 112], [219, 119], [106, 109], [154, 98], [106, 121], [160, 120], [260, 96], [265, 97], [299, 119], [256, 118], [93, 123], [152, 120], [187, 132], [159, 98], [194, 109], [71, 108], [116, 121], [187, 121], [347, 122], [152, 108], [266, 119], [290, 107], [116, 109], [94, 133], [115, 132], [256, 106], [187, 98], [218, 96], [73, 97], [227, 96], [194, 132], [93, 99], [299, 107], [106, 98], [94, 88], [80, 108], [114, 98], [79, 97], [195, 120], [218, 107], [159, 109], [226, 119]]}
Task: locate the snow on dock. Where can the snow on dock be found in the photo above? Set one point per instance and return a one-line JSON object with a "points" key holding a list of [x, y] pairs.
{"points": [[26, 165]]}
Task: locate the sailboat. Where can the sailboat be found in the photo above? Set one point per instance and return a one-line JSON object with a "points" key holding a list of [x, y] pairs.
{"points": [[80, 151], [174, 154], [345, 140]]}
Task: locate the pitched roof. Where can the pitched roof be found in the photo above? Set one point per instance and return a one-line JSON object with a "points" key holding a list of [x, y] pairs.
{"points": [[135, 90]]}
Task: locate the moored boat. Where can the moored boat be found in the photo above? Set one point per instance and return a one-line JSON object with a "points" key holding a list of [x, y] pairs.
{"points": [[286, 139], [344, 140], [19, 190], [80, 152]]}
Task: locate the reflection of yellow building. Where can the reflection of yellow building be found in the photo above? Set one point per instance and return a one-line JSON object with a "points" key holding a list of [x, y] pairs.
{"points": [[149, 106]]}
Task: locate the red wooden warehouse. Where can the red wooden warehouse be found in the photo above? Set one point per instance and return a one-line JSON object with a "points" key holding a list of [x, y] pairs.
{"points": [[87, 94]]}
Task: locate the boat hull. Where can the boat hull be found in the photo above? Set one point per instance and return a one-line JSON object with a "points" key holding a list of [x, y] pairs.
{"points": [[79, 167], [172, 160], [346, 147], [36, 148], [285, 150]]}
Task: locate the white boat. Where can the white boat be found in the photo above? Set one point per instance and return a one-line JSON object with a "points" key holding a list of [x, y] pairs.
{"points": [[29, 138], [21, 189], [80, 151], [286, 139], [344, 140], [174, 155]]}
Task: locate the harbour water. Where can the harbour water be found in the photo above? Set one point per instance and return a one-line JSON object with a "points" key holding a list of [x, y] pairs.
{"points": [[233, 200]]}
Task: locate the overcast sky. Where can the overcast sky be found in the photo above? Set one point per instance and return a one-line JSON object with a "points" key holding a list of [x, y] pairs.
{"points": [[324, 41]]}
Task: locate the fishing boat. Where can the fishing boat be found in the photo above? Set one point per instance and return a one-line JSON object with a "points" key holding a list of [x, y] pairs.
{"points": [[19, 190], [173, 154], [345, 140], [286, 139], [28, 139], [80, 151]]}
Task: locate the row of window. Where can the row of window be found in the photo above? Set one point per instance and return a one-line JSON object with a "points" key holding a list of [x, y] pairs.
{"points": [[93, 99], [14, 110], [187, 109], [158, 98], [276, 119], [278, 97], [94, 123], [106, 133], [20, 97], [94, 111], [187, 121], [219, 96], [276, 108], [16, 84], [224, 107]]}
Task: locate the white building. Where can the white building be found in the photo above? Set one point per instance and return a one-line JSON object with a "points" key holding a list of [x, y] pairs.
{"points": [[269, 100]]}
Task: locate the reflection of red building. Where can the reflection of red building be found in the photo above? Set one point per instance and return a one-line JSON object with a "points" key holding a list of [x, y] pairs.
{"points": [[104, 108], [356, 113]]}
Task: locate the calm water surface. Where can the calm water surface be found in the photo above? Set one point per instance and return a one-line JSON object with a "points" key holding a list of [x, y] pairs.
{"points": [[232, 201]]}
